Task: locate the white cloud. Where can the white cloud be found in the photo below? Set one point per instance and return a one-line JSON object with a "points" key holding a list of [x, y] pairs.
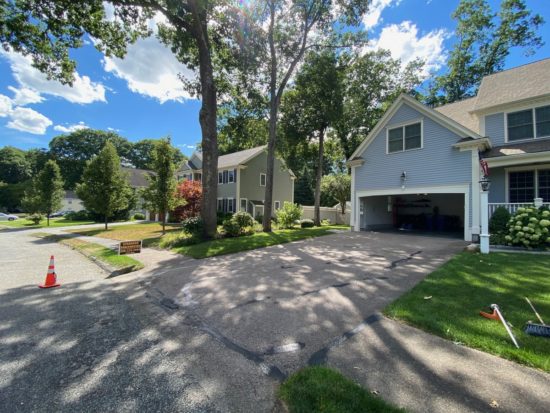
{"points": [[28, 120], [151, 69], [372, 18], [71, 128], [404, 42], [187, 146], [33, 83], [5, 106], [113, 129], [25, 96]]}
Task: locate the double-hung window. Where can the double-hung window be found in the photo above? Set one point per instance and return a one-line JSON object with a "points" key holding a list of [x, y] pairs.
{"points": [[262, 179], [231, 178], [405, 138], [525, 186], [528, 124]]}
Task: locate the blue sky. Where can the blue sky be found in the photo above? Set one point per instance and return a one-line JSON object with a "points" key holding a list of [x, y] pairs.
{"points": [[141, 96]]}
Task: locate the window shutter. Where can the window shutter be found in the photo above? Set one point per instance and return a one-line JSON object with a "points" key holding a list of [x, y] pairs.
{"points": [[235, 175], [225, 177], [225, 205]]}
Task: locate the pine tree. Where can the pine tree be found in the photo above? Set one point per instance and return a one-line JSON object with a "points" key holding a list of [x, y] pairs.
{"points": [[104, 188]]}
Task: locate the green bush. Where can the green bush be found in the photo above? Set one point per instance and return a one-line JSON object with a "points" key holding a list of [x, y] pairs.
{"points": [[222, 216], [139, 216], [289, 214], [499, 220], [498, 238], [78, 215], [259, 218], [35, 218], [193, 226], [241, 223], [529, 227], [307, 223]]}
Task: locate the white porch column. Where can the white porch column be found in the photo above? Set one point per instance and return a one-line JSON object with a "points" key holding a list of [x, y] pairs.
{"points": [[353, 205], [484, 236], [357, 218], [475, 193]]}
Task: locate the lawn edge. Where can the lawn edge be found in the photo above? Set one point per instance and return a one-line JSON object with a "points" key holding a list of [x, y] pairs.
{"points": [[111, 270]]}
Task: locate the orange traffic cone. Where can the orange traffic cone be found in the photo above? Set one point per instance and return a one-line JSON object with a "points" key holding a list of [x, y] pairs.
{"points": [[51, 277]]}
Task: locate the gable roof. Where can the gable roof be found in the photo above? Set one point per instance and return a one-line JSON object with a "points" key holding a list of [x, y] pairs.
{"points": [[460, 112], [519, 83], [232, 159], [137, 178], [438, 117]]}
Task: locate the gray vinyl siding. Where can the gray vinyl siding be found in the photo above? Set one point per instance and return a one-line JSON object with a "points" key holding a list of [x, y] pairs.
{"points": [[497, 192], [437, 163], [250, 180], [494, 128]]}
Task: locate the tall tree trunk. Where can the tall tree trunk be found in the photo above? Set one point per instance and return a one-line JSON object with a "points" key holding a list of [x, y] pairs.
{"points": [[164, 223], [273, 109], [207, 119], [106, 220], [317, 211], [48, 219]]}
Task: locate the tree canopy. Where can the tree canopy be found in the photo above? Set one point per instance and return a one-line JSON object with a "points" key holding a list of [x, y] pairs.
{"points": [[484, 40]]}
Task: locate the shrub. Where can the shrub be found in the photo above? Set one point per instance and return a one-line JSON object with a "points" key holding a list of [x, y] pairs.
{"points": [[529, 227], [193, 226], [307, 223], [498, 238], [241, 223], [325, 222], [78, 215], [35, 218], [139, 216], [222, 216], [499, 221], [191, 193], [259, 218], [289, 214]]}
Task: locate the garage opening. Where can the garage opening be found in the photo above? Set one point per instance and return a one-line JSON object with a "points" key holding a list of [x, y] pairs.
{"points": [[441, 214]]}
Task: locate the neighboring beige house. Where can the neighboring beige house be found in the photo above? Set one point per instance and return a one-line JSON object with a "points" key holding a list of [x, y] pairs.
{"points": [[242, 179], [71, 202]]}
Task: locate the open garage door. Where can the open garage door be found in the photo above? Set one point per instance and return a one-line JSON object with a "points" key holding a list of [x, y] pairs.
{"points": [[420, 212]]}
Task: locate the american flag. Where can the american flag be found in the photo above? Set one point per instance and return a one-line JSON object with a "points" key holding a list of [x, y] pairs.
{"points": [[483, 164]]}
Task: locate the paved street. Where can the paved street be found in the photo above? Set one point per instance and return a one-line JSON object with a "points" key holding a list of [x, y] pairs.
{"points": [[219, 334]]}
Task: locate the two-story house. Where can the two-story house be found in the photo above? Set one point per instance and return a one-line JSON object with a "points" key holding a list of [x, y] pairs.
{"points": [[419, 168], [242, 180]]}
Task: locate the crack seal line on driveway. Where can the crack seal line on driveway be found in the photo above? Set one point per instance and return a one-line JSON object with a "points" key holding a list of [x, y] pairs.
{"points": [[194, 320], [320, 356], [402, 260]]}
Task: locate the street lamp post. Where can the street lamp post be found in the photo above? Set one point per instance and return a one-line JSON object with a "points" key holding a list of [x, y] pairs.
{"points": [[485, 183]]}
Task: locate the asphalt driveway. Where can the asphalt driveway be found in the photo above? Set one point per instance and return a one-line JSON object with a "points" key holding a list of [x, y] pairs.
{"points": [[287, 302]]}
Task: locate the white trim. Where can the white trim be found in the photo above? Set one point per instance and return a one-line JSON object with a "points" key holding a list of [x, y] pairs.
{"points": [[264, 178], [352, 215], [519, 159], [534, 168], [476, 218], [449, 189], [245, 205], [533, 118], [403, 126], [292, 193], [429, 112]]}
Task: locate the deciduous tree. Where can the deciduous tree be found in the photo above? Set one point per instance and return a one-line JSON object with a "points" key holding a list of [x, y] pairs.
{"points": [[337, 186], [104, 188], [46, 192]]}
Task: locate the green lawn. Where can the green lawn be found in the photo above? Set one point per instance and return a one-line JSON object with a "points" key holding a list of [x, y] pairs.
{"points": [[54, 222], [122, 263], [250, 242], [468, 283], [322, 390]]}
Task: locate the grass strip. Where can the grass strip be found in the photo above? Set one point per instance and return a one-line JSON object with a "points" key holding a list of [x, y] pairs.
{"points": [[323, 390], [249, 242], [54, 223], [122, 264], [447, 303]]}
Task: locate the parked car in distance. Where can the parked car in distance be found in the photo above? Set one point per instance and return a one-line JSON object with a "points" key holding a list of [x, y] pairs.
{"points": [[7, 217], [58, 214]]}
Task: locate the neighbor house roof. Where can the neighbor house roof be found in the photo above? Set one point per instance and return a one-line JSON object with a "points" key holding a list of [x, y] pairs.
{"points": [[235, 158], [70, 194], [520, 148], [514, 85], [137, 177], [460, 112]]}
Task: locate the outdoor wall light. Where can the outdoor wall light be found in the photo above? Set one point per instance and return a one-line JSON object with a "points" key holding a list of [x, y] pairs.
{"points": [[403, 179], [485, 184]]}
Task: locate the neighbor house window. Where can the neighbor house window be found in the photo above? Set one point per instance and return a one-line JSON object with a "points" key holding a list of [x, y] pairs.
{"points": [[243, 204], [405, 138], [230, 205], [198, 177], [543, 181], [231, 176], [528, 124], [262, 179], [220, 177], [277, 205], [220, 205], [522, 186]]}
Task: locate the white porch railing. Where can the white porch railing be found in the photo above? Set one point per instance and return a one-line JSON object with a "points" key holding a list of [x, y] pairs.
{"points": [[512, 207]]}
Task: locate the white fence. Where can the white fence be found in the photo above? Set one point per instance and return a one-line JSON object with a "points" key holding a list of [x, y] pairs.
{"points": [[334, 215], [512, 207]]}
